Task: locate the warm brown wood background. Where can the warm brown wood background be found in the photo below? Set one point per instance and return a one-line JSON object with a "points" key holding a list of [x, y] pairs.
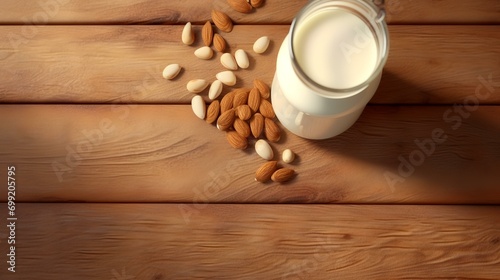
{"points": [[159, 194]]}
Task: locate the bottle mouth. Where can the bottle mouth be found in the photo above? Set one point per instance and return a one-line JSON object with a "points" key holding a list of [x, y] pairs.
{"points": [[372, 17]]}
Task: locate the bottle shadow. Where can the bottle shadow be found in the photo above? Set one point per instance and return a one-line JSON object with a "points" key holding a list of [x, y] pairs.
{"points": [[451, 151]]}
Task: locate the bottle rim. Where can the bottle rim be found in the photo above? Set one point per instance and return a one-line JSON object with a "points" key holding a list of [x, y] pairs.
{"points": [[366, 11]]}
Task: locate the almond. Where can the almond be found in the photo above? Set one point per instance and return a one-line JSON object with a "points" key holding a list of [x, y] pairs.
{"points": [[241, 127], [171, 71], [257, 3], [213, 111], [198, 105], [244, 112], [215, 90], [227, 60], [254, 99], [207, 33], [227, 102], [242, 59], [265, 171], [204, 53], [219, 43], [257, 125], [197, 86], [288, 156], [226, 120], [246, 90], [266, 109], [264, 150], [272, 130], [261, 44], [241, 6], [236, 141], [282, 175], [222, 21], [264, 89], [226, 77], [187, 34], [240, 97]]}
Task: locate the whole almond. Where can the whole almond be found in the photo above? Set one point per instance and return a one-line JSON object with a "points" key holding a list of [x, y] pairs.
{"points": [[272, 130], [219, 43], [242, 59], [264, 89], [226, 77], [243, 89], [266, 109], [171, 71], [226, 120], [207, 33], [227, 102], [204, 53], [264, 150], [213, 111], [215, 89], [240, 98], [254, 99], [197, 86], [244, 112], [227, 60], [241, 6], [266, 171], [222, 21], [282, 175], [257, 125], [198, 105], [241, 127], [187, 34], [261, 44], [236, 141], [288, 156], [257, 3]]}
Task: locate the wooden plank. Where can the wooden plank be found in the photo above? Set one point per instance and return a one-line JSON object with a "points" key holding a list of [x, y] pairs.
{"points": [[155, 241], [443, 12], [123, 64], [274, 12], [154, 153]]}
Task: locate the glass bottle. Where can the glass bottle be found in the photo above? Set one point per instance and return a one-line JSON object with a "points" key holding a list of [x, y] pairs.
{"points": [[329, 66]]}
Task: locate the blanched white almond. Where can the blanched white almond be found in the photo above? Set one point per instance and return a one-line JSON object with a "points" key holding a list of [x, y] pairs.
{"points": [[226, 77], [260, 46], [171, 71], [215, 90], [228, 61], [242, 59], [264, 150], [204, 53], [288, 156], [196, 86], [187, 34], [199, 106]]}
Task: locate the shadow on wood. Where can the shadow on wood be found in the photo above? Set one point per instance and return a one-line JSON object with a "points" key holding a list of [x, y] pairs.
{"points": [[451, 149]]}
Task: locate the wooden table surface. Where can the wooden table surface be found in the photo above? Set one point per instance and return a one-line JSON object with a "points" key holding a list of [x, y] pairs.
{"points": [[117, 179]]}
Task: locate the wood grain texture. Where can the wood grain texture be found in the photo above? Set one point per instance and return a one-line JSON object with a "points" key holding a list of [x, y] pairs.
{"points": [[274, 12], [163, 153], [443, 12], [123, 64], [123, 159], [148, 241]]}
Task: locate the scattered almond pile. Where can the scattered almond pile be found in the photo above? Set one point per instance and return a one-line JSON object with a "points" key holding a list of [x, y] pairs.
{"points": [[242, 113]]}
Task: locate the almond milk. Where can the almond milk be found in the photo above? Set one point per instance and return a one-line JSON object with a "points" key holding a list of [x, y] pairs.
{"points": [[329, 66]]}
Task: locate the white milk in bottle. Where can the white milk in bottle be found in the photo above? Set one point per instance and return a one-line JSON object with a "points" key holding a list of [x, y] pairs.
{"points": [[329, 66]]}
